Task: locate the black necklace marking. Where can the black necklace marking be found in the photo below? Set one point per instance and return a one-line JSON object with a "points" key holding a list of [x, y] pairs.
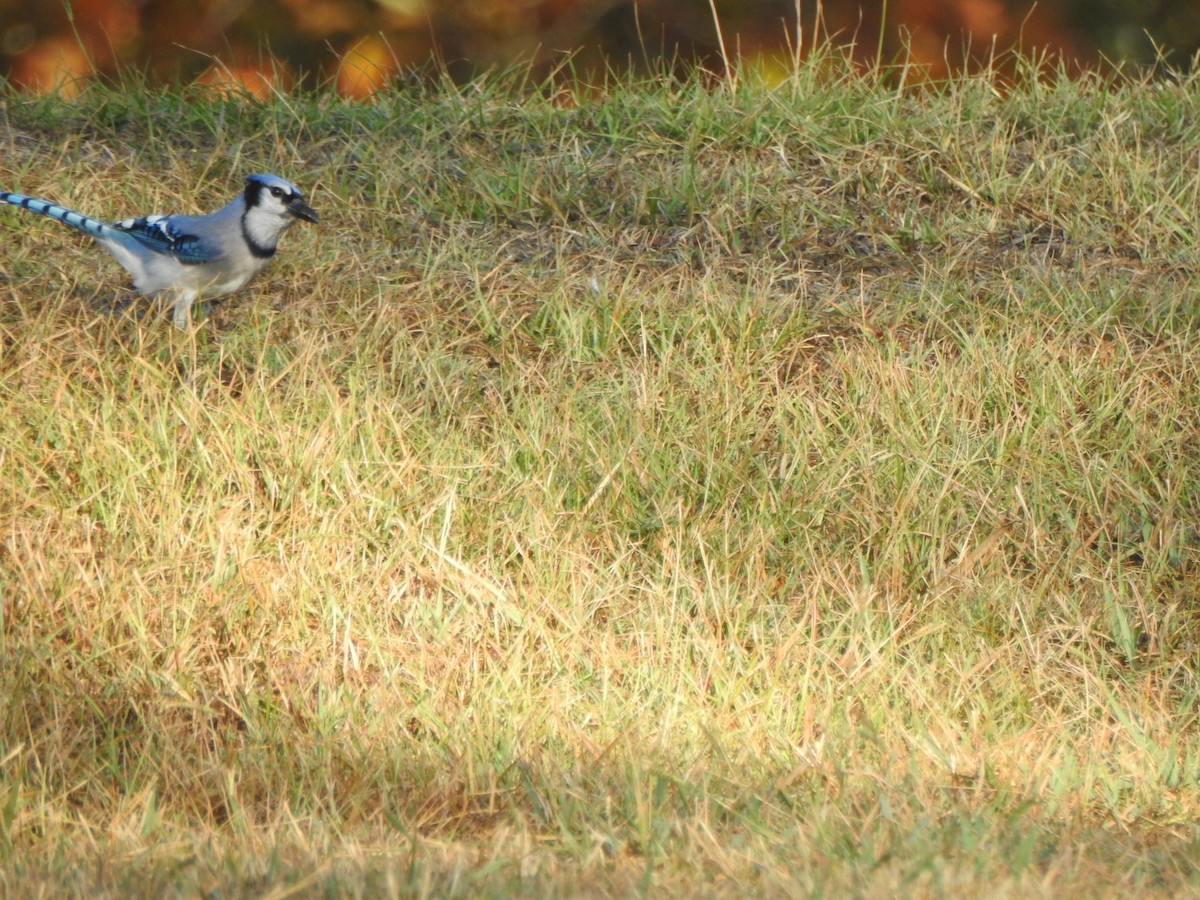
{"points": [[261, 251]]}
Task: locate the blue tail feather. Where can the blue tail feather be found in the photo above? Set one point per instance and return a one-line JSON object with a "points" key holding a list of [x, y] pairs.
{"points": [[77, 220]]}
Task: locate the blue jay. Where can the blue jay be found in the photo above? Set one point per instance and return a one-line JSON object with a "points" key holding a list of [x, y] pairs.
{"points": [[184, 258]]}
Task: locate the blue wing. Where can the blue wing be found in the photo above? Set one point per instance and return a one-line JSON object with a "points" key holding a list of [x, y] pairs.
{"points": [[168, 235]]}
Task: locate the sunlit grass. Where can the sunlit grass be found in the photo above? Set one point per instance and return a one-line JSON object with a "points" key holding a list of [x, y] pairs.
{"points": [[674, 490]]}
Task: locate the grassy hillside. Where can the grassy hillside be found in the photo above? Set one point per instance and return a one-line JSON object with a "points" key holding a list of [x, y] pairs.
{"points": [[686, 491]]}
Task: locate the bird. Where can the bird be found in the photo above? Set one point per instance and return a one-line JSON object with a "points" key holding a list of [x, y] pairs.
{"points": [[184, 258]]}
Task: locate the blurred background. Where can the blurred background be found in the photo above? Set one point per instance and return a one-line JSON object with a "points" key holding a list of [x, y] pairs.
{"points": [[359, 45]]}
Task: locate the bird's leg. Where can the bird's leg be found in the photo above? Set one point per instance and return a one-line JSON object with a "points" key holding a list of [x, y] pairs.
{"points": [[183, 309]]}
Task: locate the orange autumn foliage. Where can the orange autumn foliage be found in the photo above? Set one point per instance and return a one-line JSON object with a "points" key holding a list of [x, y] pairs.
{"points": [[358, 46]]}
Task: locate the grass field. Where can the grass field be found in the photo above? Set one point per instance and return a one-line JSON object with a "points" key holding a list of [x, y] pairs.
{"points": [[674, 490]]}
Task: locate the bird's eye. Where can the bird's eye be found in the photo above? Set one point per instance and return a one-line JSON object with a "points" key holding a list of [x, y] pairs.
{"points": [[276, 192]]}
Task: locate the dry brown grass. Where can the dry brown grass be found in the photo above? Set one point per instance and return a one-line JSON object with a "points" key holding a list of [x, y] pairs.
{"points": [[693, 493]]}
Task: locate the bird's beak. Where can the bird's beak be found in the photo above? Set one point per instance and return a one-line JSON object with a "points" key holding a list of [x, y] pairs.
{"points": [[302, 210]]}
